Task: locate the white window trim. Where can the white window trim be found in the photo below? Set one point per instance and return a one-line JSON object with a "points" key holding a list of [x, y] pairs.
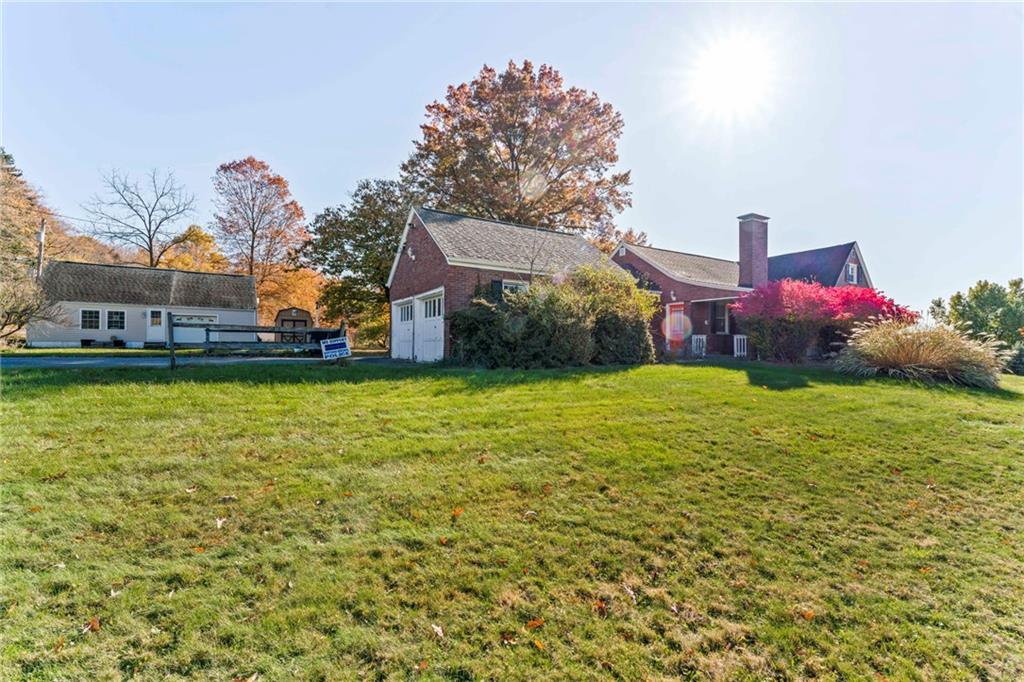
{"points": [[851, 269], [712, 316], [516, 285], [408, 305], [440, 306], [149, 317], [106, 319], [99, 312]]}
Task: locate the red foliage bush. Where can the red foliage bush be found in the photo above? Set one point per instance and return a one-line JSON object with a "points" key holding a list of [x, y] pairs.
{"points": [[784, 317]]}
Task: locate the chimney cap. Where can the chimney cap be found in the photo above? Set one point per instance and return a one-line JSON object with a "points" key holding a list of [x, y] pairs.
{"points": [[752, 216]]}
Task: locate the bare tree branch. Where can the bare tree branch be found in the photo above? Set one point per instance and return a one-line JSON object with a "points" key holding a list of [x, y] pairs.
{"points": [[141, 216]]}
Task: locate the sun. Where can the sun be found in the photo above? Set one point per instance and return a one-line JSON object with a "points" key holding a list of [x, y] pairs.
{"points": [[732, 78]]}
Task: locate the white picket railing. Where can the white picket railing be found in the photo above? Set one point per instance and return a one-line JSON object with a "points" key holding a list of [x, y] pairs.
{"points": [[739, 346], [700, 345]]}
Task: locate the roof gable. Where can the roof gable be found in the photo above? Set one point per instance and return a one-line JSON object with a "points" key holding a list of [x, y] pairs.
{"points": [[823, 265], [134, 285]]}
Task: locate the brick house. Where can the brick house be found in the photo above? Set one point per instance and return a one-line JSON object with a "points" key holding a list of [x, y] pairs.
{"points": [[696, 290], [444, 259]]}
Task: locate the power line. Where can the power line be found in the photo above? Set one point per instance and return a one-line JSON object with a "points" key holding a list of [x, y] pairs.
{"points": [[48, 212]]}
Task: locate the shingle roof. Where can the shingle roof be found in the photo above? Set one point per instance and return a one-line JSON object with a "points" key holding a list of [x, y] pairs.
{"points": [[506, 245], [134, 285], [823, 265], [688, 266]]}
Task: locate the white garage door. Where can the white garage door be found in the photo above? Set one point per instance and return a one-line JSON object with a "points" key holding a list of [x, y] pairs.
{"points": [[186, 335], [429, 330], [401, 330]]}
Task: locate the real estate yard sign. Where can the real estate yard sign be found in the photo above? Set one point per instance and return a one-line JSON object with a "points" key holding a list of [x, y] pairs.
{"points": [[335, 348]]}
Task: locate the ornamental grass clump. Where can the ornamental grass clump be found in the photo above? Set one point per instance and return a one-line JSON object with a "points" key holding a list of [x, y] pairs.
{"points": [[922, 353]]}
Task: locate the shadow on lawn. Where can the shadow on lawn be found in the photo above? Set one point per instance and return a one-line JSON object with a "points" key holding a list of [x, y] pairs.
{"points": [[437, 379], [778, 377]]}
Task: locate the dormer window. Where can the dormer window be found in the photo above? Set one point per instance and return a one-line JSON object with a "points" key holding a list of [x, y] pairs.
{"points": [[851, 273]]}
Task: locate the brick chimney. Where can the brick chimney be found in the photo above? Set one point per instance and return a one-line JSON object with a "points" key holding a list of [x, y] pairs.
{"points": [[753, 249]]}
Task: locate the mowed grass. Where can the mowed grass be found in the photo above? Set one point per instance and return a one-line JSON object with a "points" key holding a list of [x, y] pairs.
{"points": [[325, 522]]}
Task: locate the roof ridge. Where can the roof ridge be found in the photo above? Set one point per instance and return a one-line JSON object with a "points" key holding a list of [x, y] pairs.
{"points": [[135, 266], [683, 253], [820, 248], [502, 222]]}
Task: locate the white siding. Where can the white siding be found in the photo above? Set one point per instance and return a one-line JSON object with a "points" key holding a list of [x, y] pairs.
{"points": [[68, 333]]}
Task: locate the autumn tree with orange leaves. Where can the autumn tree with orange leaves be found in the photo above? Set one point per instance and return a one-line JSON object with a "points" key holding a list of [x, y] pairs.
{"points": [[607, 241], [521, 147], [259, 224]]}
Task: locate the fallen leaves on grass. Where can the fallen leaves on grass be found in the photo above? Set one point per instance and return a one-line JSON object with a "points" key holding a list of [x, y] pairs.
{"points": [[539, 644], [457, 512], [191, 489], [251, 678], [228, 498], [806, 614], [220, 522], [601, 607], [54, 477], [442, 541], [421, 666], [508, 638], [35, 509], [438, 630], [534, 624], [59, 644], [92, 626]]}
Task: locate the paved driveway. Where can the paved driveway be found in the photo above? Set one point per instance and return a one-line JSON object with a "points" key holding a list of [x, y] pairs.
{"points": [[85, 361]]}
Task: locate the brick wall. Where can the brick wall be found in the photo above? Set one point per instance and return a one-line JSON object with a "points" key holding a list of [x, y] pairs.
{"points": [[683, 293], [425, 272]]}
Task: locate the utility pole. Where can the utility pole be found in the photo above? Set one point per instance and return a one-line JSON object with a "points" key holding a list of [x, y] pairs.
{"points": [[42, 248]]}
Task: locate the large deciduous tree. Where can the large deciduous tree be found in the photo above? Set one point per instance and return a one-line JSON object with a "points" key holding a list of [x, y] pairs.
{"points": [[196, 249], [356, 243], [520, 146], [141, 214], [259, 224], [987, 309]]}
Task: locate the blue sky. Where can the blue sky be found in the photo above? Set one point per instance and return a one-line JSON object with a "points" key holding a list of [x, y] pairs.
{"points": [[899, 126]]}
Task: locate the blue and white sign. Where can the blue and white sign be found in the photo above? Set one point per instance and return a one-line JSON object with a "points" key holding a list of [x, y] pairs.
{"points": [[335, 348]]}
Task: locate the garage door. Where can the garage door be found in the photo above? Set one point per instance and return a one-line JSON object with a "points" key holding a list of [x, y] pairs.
{"points": [[186, 335], [401, 330], [429, 329]]}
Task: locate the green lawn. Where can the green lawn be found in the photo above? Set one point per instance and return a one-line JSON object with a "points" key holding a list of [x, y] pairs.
{"points": [[318, 522]]}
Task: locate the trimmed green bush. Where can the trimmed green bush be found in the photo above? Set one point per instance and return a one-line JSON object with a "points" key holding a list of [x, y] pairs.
{"points": [[594, 314], [922, 353]]}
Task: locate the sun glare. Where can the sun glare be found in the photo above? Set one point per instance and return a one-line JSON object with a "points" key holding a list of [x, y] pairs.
{"points": [[732, 78]]}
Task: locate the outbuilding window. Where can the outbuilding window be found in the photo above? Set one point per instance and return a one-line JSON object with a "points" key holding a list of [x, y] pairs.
{"points": [[156, 318], [115, 319], [432, 308], [851, 273], [405, 313], [90, 319]]}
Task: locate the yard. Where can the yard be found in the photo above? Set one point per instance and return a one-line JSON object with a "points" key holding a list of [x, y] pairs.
{"points": [[330, 522]]}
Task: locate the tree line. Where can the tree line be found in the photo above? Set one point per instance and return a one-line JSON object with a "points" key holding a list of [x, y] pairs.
{"points": [[517, 146]]}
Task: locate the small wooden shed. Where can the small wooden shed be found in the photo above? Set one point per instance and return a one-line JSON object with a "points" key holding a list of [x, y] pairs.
{"points": [[292, 317]]}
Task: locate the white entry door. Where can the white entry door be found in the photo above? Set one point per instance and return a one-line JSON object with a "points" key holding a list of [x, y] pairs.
{"points": [[401, 330], [429, 329], [155, 330]]}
